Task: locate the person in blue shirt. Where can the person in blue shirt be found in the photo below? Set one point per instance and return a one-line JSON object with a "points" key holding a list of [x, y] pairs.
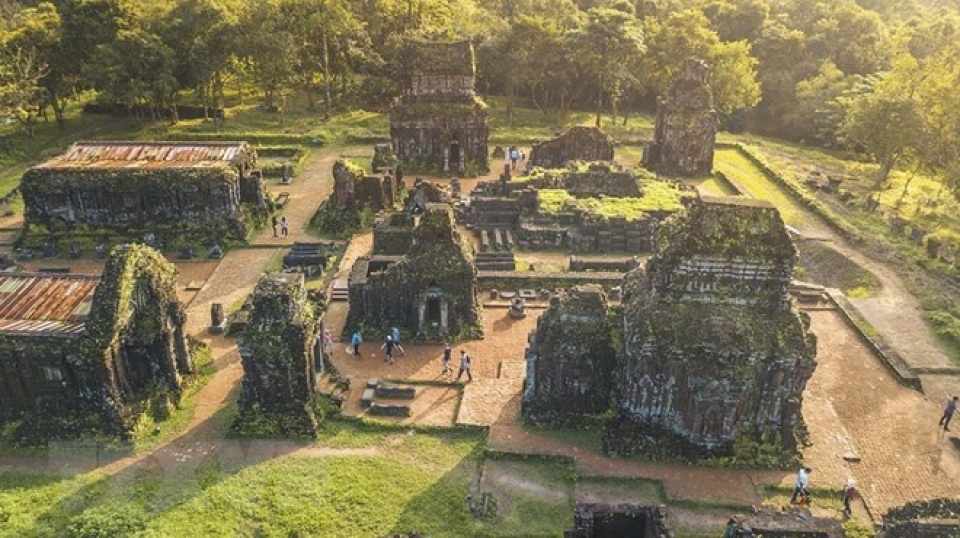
{"points": [[355, 341], [395, 335]]}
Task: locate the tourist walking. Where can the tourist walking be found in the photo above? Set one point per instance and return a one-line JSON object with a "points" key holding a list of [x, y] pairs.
{"points": [[948, 412], [464, 365], [355, 341], [447, 351], [276, 224], [849, 494], [284, 226], [395, 333], [800, 488], [388, 346]]}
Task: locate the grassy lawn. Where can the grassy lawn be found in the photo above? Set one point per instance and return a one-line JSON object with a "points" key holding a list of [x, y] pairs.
{"points": [[404, 481], [825, 266], [738, 168]]}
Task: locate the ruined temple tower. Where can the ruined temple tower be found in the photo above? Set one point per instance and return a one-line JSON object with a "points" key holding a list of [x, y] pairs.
{"points": [[686, 129], [713, 348], [439, 123]]}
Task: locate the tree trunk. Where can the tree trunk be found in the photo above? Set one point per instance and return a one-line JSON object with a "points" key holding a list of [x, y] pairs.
{"points": [[883, 173], [326, 67], [599, 121]]}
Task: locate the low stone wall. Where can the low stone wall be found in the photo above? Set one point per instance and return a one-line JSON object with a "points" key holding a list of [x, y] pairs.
{"points": [[512, 280], [890, 358]]}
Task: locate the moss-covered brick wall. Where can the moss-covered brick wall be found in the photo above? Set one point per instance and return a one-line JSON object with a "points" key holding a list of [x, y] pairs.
{"points": [[570, 361], [133, 348], [277, 351], [714, 354], [207, 203], [580, 143], [439, 263]]}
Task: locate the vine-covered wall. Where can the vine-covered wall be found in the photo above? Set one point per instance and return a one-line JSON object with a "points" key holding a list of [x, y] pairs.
{"points": [[277, 351], [206, 204], [133, 347]]}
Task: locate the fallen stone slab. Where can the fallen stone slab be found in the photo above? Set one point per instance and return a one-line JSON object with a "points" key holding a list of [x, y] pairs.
{"points": [[366, 400], [395, 393], [389, 410]]}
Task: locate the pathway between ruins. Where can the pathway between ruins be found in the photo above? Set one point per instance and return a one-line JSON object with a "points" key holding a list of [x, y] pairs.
{"points": [[855, 403]]}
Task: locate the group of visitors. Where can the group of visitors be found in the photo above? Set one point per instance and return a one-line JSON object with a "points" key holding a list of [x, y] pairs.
{"points": [[515, 155], [391, 345], [281, 224]]}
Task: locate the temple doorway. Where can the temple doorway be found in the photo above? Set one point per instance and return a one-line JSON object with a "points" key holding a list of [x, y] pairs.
{"points": [[433, 311], [454, 154]]}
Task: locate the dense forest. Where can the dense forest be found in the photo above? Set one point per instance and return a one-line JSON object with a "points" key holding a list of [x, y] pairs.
{"points": [[876, 76]]}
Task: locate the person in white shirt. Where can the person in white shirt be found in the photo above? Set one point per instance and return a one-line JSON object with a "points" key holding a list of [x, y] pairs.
{"points": [[800, 488]]}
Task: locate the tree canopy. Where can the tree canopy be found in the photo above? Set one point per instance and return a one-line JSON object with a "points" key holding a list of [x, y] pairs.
{"points": [[826, 72]]}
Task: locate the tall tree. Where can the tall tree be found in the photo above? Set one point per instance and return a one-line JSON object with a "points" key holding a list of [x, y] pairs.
{"points": [[686, 34], [608, 46], [21, 95]]}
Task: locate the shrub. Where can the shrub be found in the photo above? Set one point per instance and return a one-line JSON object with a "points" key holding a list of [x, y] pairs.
{"points": [[108, 521]]}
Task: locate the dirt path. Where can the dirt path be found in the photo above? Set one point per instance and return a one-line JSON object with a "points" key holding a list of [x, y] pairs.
{"points": [[308, 190]]}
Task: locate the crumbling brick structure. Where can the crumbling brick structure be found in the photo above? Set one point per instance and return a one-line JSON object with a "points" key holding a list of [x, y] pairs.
{"points": [[580, 143], [713, 348], [570, 361], [439, 123], [686, 127], [431, 292], [277, 351], [203, 191], [83, 354], [354, 192]]}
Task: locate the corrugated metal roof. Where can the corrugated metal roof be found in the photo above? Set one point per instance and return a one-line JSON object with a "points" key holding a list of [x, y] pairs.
{"points": [[148, 155], [45, 304]]}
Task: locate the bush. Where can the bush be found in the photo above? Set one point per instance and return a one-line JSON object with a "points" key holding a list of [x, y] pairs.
{"points": [[108, 521], [855, 528]]}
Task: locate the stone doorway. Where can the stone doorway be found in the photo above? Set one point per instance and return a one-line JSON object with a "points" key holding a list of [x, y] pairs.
{"points": [[454, 155], [433, 311]]}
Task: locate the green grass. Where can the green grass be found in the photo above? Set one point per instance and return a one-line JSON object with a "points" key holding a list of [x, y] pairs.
{"points": [[823, 265], [528, 125], [657, 196], [411, 480], [827, 498], [738, 168]]}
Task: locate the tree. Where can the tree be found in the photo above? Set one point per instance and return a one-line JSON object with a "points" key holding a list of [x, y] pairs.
{"points": [[608, 46], [21, 95], [819, 108], [136, 68], [203, 35], [687, 34], [885, 123]]}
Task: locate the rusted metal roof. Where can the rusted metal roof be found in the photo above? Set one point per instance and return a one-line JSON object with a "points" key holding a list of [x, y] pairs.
{"points": [[98, 155], [55, 305]]}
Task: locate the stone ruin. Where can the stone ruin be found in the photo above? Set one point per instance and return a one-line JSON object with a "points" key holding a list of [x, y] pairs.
{"points": [[614, 521], [354, 191], [86, 354], [514, 209], [713, 347], [199, 191], [686, 126], [571, 359], [934, 518], [431, 292], [580, 143], [278, 353], [439, 124]]}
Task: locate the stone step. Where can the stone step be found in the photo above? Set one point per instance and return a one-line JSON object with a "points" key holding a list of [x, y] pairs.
{"points": [[339, 290]]}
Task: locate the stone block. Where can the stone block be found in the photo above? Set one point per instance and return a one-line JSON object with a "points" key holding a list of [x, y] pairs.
{"points": [[373, 382], [395, 393], [366, 400], [389, 410]]}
